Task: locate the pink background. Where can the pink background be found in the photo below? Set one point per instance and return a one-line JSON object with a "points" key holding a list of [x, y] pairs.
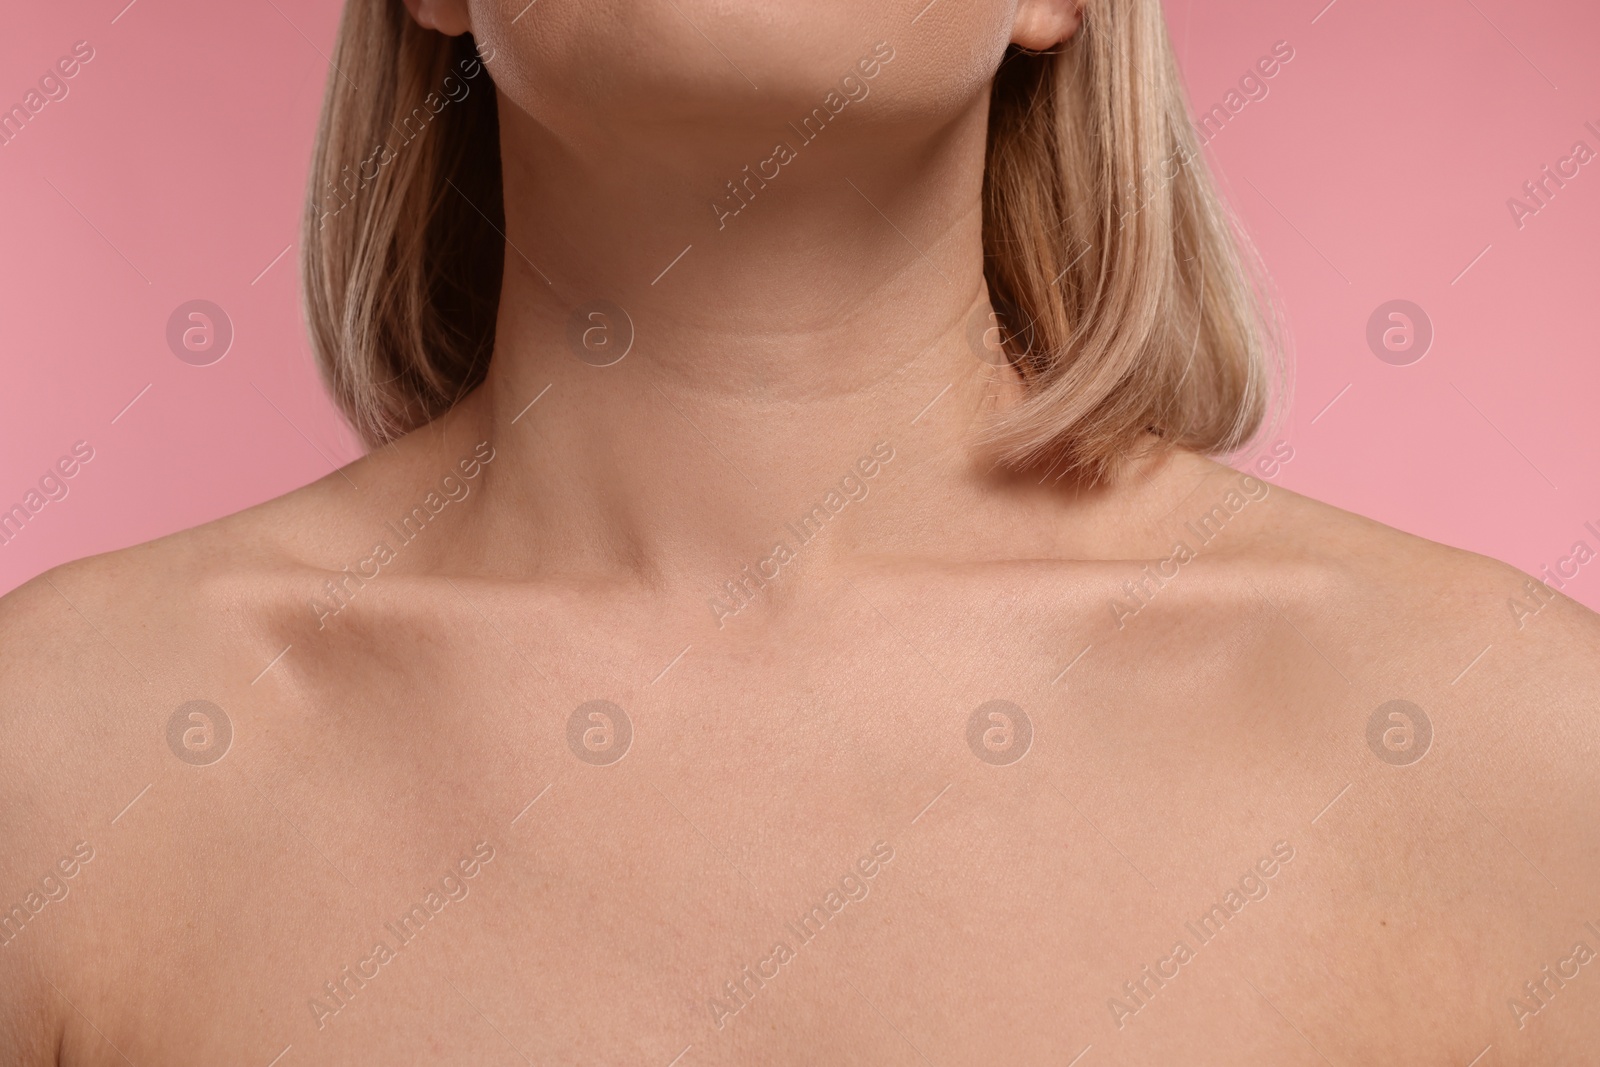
{"points": [[1377, 168]]}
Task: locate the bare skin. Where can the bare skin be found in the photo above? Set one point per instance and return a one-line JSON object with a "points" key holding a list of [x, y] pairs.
{"points": [[991, 901]]}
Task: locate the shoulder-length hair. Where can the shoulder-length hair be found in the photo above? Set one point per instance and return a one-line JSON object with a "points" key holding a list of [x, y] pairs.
{"points": [[1129, 303]]}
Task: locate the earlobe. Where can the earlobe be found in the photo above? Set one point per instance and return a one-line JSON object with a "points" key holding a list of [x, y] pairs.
{"points": [[1044, 24], [448, 17]]}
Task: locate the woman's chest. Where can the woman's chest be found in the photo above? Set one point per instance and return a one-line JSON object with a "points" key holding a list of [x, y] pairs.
{"points": [[861, 847]]}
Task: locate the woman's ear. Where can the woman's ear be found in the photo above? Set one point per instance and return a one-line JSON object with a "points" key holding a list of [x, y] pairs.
{"points": [[449, 17], [1042, 24]]}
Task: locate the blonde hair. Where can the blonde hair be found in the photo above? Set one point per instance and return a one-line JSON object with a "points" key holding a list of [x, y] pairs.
{"points": [[1130, 305]]}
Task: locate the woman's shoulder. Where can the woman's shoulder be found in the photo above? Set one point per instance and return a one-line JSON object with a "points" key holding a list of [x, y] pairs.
{"points": [[1384, 610], [146, 597], [192, 586], [216, 599], [102, 661], [85, 643], [1401, 582], [1501, 666], [1337, 561]]}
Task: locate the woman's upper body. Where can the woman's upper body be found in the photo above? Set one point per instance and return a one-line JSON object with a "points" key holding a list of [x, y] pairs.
{"points": [[725, 701], [1180, 740]]}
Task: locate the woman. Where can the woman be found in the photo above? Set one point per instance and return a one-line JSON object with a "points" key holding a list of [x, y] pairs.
{"points": [[788, 614]]}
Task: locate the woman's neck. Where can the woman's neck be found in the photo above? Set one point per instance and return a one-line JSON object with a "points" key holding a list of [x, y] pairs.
{"points": [[764, 344]]}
